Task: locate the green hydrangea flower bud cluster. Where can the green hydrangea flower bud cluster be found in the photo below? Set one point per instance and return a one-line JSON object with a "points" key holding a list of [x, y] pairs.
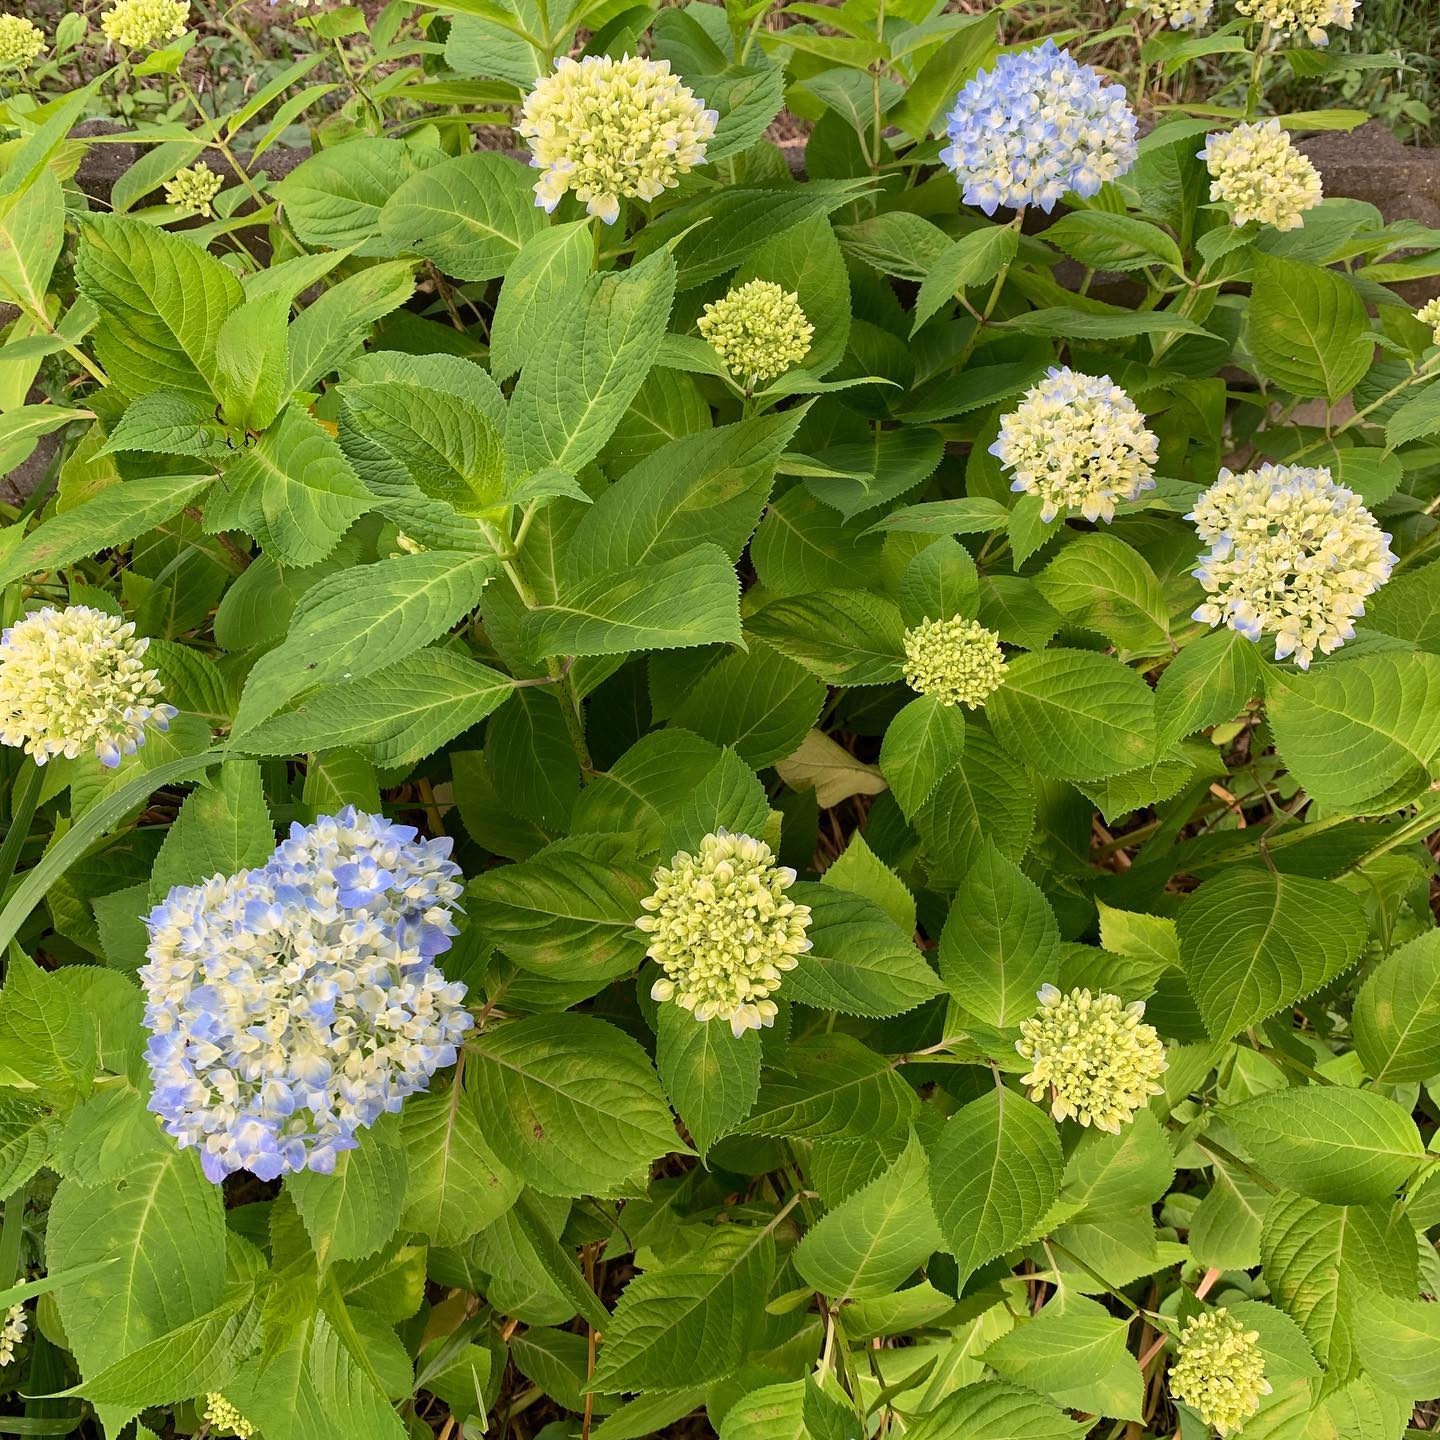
{"points": [[758, 330], [1093, 1055], [1179, 13], [12, 1332], [1257, 171], [145, 24], [74, 680], [1219, 1371], [193, 190], [1301, 17], [1429, 314], [1079, 443], [220, 1414], [958, 661], [609, 129], [723, 931], [21, 42]]}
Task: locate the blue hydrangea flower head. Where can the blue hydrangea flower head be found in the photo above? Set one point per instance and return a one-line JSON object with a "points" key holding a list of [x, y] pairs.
{"points": [[1036, 126], [292, 1005]]}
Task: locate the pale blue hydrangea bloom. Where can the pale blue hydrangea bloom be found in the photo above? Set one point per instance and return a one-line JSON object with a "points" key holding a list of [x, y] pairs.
{"points": [[1036, 126], [292, 1005]]}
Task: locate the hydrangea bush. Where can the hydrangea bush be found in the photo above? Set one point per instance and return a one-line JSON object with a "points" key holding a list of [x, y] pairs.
{"points": [[659, 779]]}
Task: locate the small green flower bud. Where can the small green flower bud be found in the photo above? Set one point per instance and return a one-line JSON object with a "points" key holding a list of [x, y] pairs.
{"points": [[1219, 1371], [220, 1414], [145, 24], [958, 661], [21, 42], [758, 330], [193, 191]]}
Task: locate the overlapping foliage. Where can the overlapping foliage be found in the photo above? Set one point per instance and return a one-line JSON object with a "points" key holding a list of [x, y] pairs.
{"points": [[434, 504]]}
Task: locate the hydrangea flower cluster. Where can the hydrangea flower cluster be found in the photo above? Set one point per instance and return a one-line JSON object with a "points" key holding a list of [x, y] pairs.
{"points": [[1429, 314], [1302, 17], [21, 42], [1036, 126], [1291, 554], [1179, 13], [758, 330], [12, 1332], [1079, 443], [193, 190], [220, 1414], [1257, 171], [608, 129], [74, 680], [1093, 1055], [1219, 1370], [144, 24], [292, 1005], [723, 932], [958, 661]]}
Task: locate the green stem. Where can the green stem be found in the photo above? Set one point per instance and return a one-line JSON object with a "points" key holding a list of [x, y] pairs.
{"points": [[1017, 225], [361, 93], [1257, 68], [12, 1234], [20, 818]]}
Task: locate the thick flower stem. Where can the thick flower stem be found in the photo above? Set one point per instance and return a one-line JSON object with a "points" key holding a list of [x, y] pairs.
{"points": [[20, 817]]}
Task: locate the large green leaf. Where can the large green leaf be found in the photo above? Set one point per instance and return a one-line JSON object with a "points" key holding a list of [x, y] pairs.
{"points": [[1307, 327], [844, 637], [1399, 1343], [32, 232], [1252, 941], [469, 215], [995, 1170], [351, 1213], [1342, 1146], [570, 1104], [335, 198], [1397, 1014], [1211, 680], [222, 828], [991, 1410], [922, 744], [544, 280], [711, 1075], [691, 1321]]}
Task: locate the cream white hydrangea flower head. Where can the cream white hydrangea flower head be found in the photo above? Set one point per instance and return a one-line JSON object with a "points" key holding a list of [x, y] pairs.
{"points": [[610, 129], [74, 680], [1093, 1056], [12, 1332], [1291, 555], [193, 190], [21, 42], [758, 330], [220, 1414], [1257, 171], [1429, 314], [958, 661], [1219, 1370], [1302, 17], [1179, 13], [1079, 443], [723, 931], [145, 24]]}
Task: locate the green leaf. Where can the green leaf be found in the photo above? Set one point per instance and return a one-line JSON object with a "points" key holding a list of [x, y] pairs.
{"points": [[1319, 1259], [26, 1138], [860, 962], [360, 620], [1397, 1014], [22, 429], [690, 1321], [844, 637], [860, 871], [335, 198], [116, 515], [469, 215], [294, 491], [1065, 320], [1307, 327], [1069, 1344], [1106, 1174], [32, 232], [252, 362], [351, 1213], [568, 912], [1252, 941], [971, 515], [837, 1089], [965, 51], [454, 1186], [542, 284], [974, 259], [1100, 583], [990, 1410], [46, 1037], [1210, 681], [570, 1104], [1105, 241], [729, 797], [995, 1170], [334, 326], [162, 300], [168, 423], [1074, 714], [1345, 1147], [555, 1262], [987, 798], [922, 744], [396, 716], [1416, 418], [711, 1075], [1361, 733], [692, 599], [222, 828], [580, 379], [869, 1243], [166, 1223], [1398, 1342], [1000, 943]]}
